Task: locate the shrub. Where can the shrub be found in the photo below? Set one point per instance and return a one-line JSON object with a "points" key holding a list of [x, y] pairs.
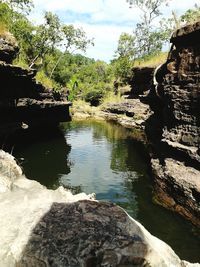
{"points": [[94, 97]]}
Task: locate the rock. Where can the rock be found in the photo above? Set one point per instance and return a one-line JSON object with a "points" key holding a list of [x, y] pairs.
{"points": [[22, 203], [142, 80], [130, 113], [180, 90], [173, 130], [41, 227], [25, 101], [187, 35], [8, 47], [178, 187]]}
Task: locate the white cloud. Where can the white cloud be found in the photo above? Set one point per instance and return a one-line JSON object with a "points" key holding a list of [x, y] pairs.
{"points": [[107, 19], [106, 38], [179, 6]]}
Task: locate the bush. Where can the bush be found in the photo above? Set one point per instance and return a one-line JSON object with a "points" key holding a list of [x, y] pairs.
{"points": [[94, 97]]}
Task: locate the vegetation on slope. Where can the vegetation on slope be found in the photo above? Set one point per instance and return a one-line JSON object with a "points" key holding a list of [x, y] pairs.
{"points": [[54, 49]]}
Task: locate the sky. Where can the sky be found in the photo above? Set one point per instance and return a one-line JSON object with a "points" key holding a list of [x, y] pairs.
{"points": [[103, 20]]}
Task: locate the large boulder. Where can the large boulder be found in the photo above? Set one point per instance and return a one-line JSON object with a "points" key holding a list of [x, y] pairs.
{"points": [[8, 47], [41, 227]]}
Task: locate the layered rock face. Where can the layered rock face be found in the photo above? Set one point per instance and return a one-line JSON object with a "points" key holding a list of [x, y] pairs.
{"points": [[41, 227], [176, 172], [181, 92], [23, 101]]}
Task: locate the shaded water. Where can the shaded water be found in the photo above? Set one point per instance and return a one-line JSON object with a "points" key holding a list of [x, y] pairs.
{"points": [[103, 158]]}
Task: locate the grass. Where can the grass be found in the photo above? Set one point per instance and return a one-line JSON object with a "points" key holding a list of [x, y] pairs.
{"points": [[44, 80], [111, 98], [81, 106], [151, 61], [3, 29]]}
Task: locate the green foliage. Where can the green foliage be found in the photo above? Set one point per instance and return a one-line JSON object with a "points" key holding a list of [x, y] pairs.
{"points": [[75, 38], [46, 37], [148, 41], [191, 15], [73, 87], [122, 69], [93, 81], [43, 79], [94, 96], [126, 46]]}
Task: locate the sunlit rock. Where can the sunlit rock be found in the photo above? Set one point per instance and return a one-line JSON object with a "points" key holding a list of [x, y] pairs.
{"points": [[8, 47]]}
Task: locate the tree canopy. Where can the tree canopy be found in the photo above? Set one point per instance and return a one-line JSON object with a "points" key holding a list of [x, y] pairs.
{"points": [[52, 48]]}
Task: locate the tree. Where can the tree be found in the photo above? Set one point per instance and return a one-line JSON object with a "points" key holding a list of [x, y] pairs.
{"points": [[19, 5], [74, 39], [169, 25], [147, 39], [124, 54], [191, 15], [47, 36], [126, 46]]}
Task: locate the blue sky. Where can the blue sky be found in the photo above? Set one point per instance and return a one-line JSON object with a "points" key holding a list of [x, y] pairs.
{"points": [[103, 20]]}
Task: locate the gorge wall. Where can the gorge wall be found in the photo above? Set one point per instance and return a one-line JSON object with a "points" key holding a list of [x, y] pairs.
{"points": [[173, 131], [25, 103]]}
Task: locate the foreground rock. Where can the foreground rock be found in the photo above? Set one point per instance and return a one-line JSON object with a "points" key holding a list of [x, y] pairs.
{"points": [[41, 227]]}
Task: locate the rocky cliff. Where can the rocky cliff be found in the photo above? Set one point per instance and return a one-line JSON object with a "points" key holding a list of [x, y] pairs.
{"points": [[24, 102], [174, 128], [41, 227], [165, 102]]}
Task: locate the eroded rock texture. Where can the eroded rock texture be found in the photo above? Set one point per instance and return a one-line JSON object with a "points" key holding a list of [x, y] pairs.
{"points": [[178, 187], [41, 227], [23, 101], [181, 91], [178, 145]]}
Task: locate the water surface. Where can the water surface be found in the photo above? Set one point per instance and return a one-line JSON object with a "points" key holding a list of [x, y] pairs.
{"points": [[103, 158]]}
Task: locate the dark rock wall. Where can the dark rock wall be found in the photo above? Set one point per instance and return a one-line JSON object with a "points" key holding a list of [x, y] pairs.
{"points": [[176, 105], [24, 102], [172, 91], [180, 92], [142, 80]]}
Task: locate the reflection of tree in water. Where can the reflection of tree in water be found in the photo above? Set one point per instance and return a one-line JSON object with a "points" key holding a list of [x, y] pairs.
{"points": [[111, 130], [45, 159]]}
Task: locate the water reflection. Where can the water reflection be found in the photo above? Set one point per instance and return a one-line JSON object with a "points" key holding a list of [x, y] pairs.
{"points": [[45, 159], [104, 158], [110, 163], [101, 162]]}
